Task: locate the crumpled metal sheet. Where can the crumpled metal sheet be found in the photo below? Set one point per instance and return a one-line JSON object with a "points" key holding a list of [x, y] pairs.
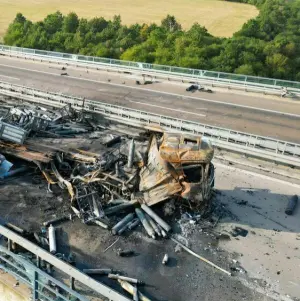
{"points": [[164, 176], [158, 179], [177, 148], [22, 152]]}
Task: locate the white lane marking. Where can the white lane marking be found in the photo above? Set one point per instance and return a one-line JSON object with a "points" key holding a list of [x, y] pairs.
{"points": [[9, 77], [166, 108], [160, 92], [250, 173]]}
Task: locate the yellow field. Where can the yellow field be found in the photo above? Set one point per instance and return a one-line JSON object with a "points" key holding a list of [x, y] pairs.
{"points": [[221, 18]]}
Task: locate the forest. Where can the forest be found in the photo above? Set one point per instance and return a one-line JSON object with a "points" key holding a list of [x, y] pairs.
{"points": [[267, 46]]}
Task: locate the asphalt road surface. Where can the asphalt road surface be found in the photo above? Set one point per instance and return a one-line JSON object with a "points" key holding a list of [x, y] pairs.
{"points": [[266, 116]]}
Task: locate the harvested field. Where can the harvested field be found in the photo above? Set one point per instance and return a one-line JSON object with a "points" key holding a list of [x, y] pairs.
{"points": [[221, 18]]}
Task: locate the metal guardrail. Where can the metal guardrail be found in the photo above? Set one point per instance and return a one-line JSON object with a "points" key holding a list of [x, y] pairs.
{"points": [[46, 287], [230, 80], [253, 145]]}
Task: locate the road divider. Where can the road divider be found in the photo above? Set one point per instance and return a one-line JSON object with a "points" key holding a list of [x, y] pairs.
{"points": [[282, 152]]}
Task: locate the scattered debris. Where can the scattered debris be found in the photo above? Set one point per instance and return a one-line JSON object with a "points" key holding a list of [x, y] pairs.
{"points": [[238, 231], [15, 228], [165, 259], [131, 289], [150, 231], [128, 279], [98, 271], [111, 245], [292, 204], [159, 220], [117, 175], [52, 239], [56, 220], [197, 87], [112, 179], [200, 257], [124, 222], [224, 236], [178, 249], [169, 208], [126, 253]]}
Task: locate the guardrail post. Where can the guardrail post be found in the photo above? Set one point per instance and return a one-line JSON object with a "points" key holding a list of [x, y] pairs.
{"points": [[9, 245], [72, 283], [284, 147], [35, 286], [38, 261]]}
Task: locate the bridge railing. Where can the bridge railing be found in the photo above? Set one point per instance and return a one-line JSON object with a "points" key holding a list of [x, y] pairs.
{"points": [[230, 80], [65, 283]]}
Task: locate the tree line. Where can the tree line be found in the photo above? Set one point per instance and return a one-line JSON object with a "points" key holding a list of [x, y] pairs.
{"points": [[268, 45]]}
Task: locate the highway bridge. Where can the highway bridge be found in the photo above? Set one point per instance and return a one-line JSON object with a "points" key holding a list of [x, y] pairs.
{"points": [[263, 194]]}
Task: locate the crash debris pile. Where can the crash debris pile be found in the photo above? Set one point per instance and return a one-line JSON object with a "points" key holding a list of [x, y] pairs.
{"points": [[112, 179], [19, 122]]}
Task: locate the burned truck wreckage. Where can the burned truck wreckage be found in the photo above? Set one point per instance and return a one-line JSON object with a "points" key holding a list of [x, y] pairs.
{"points": [[105, 172]]}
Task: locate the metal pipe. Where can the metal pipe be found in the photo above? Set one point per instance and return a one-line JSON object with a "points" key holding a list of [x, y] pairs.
{"points": [[145, 223], [126, 253], [101, 224], [152, 224], [119, 208], [124, 228], [128, 218], [163, 232], [159, 220], [98, 271], [52, 239], [200, 257], [98, 213], [291, 206], [128, 279], [135, 294], [133, 224], [15, 228], [131, 154], [117, 170], [56, 220], [130, 289]]}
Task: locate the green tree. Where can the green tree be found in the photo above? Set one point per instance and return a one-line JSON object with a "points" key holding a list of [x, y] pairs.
{"points": [[97, 25], [277, 65], [245, 69], [53, 23], [70, 23], [19, 19], [170, 24]]}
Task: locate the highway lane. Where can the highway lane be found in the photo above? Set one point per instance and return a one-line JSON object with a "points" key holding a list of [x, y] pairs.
{"points": [[271, 103], [262, 120]]}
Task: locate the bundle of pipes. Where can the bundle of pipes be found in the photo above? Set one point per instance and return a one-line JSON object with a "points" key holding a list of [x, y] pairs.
{"points": [[154, 225]]}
